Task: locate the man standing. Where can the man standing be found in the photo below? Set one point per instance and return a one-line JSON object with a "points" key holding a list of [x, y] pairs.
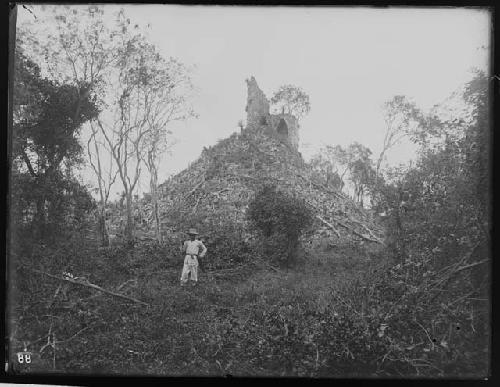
{"points": [[192, 250]]}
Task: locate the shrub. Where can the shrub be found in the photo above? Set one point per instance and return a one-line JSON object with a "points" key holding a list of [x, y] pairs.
{"points": [[225, 241], [220, 230], [281, 219]]}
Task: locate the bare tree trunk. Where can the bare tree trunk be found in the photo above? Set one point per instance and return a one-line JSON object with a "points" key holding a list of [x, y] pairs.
{"points": [[151, 164], [129, 227], [376, 184], [400, 243], [101, 222], [377, 170], [156, 216], [329, 175], [400, 234], [104, 182], [356, 193]]}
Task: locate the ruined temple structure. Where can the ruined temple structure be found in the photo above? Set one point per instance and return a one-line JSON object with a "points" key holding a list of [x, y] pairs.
{"points": [[215, 189], [284, 126]]}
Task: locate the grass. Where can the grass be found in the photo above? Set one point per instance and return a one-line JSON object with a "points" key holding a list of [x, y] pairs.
{"points": [[185, 331], [307, 321]]}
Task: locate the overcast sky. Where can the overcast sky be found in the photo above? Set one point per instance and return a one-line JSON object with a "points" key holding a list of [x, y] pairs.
{"points": [[349, 61]]}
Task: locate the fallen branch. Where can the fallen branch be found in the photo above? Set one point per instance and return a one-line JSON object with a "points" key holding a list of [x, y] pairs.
{"points": [[72, 337], [366, 228], [471, 265], [442, 282], [321, 186], [126, 282], [268, 265], [146, 238], [49, 304], [461, 298], [328, 224], [88, 285], [426, 332], [448, 272], [358, 233], [348, 228], [49, 343], [29, 343]]}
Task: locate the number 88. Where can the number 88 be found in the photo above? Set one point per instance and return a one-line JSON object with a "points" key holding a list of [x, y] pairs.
{"points": [[24, 357]]}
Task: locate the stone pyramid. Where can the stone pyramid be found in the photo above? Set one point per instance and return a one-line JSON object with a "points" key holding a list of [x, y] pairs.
{"points": [[215, 190]]}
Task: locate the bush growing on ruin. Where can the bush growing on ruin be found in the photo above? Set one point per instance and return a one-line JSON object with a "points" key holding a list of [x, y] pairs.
{"points": [[281, 219]]}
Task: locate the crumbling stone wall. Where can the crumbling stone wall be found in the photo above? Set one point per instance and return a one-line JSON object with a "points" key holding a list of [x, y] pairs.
{"points": [[258, 117], [257, 104], [292, 126]]}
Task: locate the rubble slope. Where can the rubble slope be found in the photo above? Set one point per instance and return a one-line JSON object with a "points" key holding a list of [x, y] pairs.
{"points": [[222, 181]]}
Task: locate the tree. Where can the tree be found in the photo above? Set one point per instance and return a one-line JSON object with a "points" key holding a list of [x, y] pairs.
{"points": [[326, 165], [401, 118], [82, 52], [115, 53], [357, 159], [78, 49], [477, 140], [149, 93], [438, 225], [442, 201], [168, 89], [362, 175], [334, 162], [47, 120], [106, 177], [138, 93], [292, 100]]}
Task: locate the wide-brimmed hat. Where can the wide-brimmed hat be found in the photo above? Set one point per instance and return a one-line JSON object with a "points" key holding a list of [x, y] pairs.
{"points": [[192, 231]]}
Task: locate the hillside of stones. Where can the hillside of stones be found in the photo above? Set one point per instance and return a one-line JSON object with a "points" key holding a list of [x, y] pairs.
{"points": [[214, 191]]}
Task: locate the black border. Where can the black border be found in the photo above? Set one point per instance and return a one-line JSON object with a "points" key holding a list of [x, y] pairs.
{"points": [[81, 380]]}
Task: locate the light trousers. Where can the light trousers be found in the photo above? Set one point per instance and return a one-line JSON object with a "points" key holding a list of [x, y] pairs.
{"points": [[190, 267]]}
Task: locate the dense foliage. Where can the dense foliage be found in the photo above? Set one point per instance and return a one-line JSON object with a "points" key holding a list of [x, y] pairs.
{"points": [[439, 208], [433, 302], [46, 199], [49, 208], [438, 233]]}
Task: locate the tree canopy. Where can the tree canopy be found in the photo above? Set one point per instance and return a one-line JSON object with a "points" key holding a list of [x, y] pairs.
{"points": [[292, 100], [48, 117]]}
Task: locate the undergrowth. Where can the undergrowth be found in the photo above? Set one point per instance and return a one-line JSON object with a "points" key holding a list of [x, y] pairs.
{"points": [[342, 313]]}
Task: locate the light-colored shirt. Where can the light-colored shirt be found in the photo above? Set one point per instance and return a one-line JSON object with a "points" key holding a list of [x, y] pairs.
{"points": [[193, 247]]}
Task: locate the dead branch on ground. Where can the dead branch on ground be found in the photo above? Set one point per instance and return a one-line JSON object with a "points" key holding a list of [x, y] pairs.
{"points": [[88, 285], [362, 236], [328, 224]]}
